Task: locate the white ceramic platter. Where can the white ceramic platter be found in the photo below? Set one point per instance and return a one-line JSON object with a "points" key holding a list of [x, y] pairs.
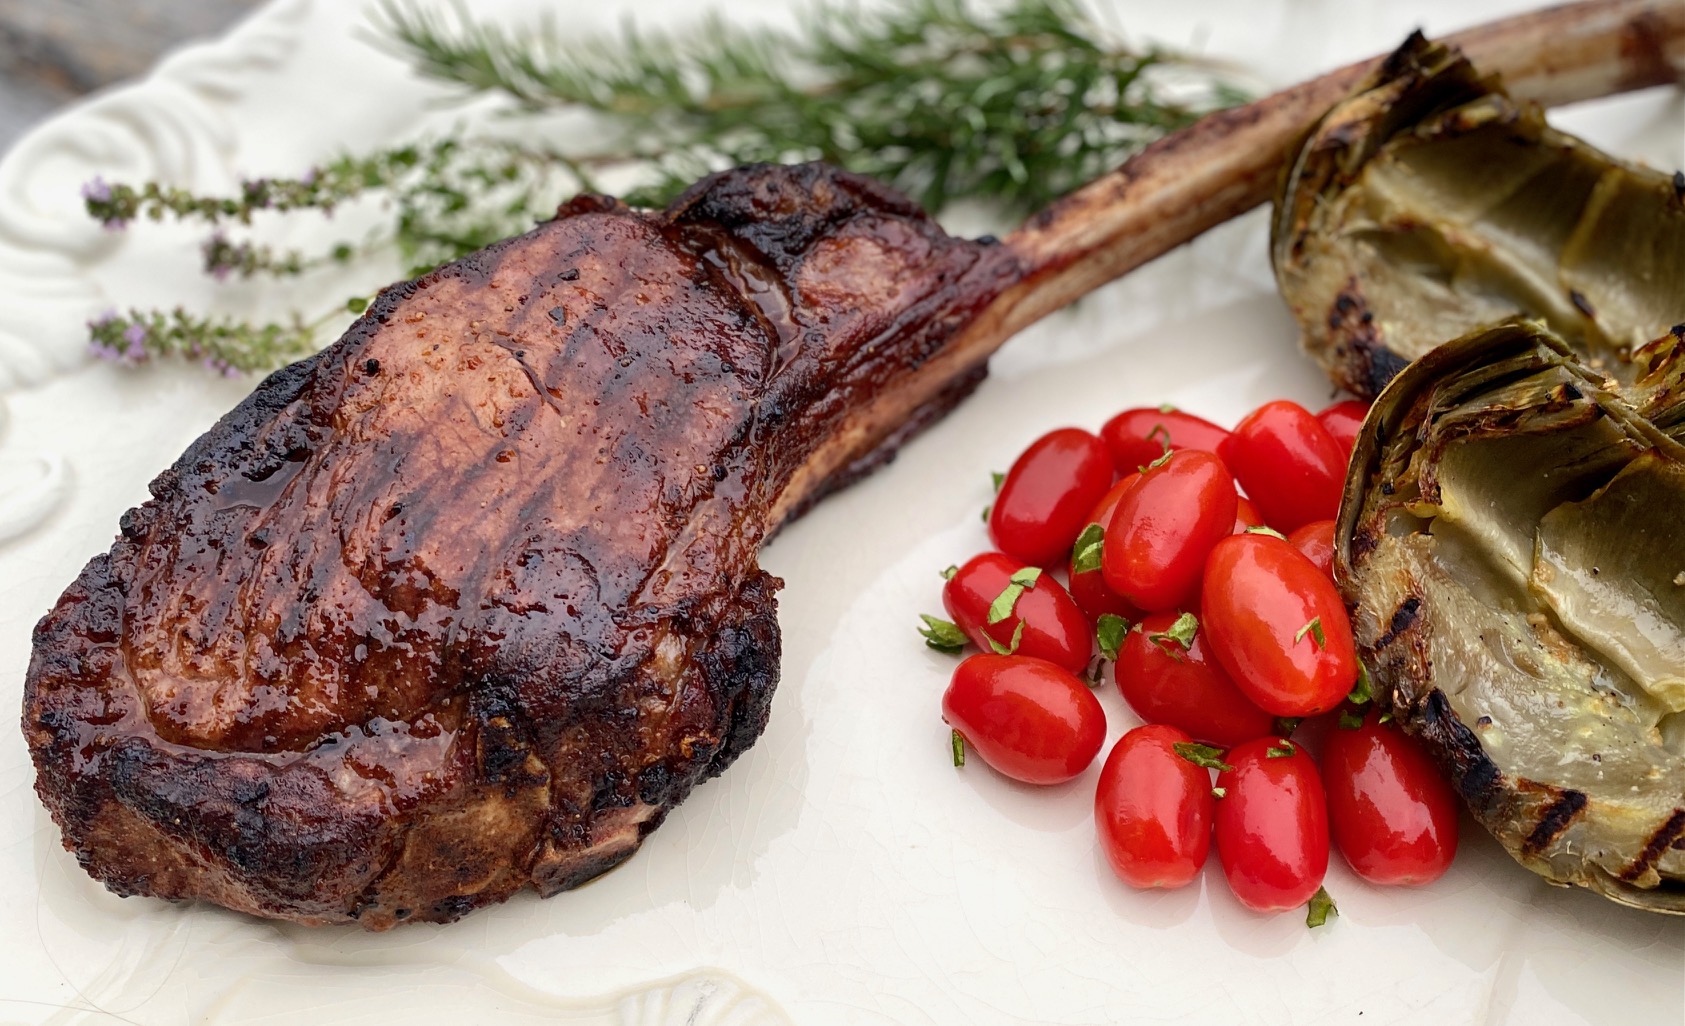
{"points": [[843, 871]]}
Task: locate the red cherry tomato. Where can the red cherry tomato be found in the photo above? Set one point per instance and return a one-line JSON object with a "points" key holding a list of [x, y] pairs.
{"points": [[1316, 541], [1246, 515], [1088, 587], [1271, 825], [1046, 495], [1054, 628], [1163, 528], [1165, 682], [1291, 467], [1027, 718], [1393, 813], [1264, 607], [1153, 810], [1344, 421], [1137, 437]]}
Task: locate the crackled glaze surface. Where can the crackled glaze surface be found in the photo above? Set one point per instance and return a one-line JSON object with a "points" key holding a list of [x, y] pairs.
{"points": [[842, 871]]}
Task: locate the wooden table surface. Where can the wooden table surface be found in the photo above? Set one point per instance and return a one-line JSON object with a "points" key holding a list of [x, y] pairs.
{"points": [[52, 51]]}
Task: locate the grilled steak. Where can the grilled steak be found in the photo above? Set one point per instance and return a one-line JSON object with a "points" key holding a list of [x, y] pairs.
{"points": [[468, 601]]}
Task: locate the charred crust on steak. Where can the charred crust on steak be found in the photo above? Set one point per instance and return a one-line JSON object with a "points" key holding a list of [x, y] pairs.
{"points": [[467, 602]]}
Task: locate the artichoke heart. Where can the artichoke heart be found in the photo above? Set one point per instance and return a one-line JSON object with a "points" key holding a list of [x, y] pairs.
{"points": [[1429, 203], [1512, 540]]}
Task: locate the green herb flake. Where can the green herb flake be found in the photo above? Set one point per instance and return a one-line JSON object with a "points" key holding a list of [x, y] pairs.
{"points": [[1007, 600], [1202, 755], [959, 749], [1283, 750], [1363, 692], [1286, 725], [1166, 408], [1012, 649], [356, 304], [942, 635], [1108, 632], [1351, 719], [1320, 908], [1385, 717], [1085, 555], [1314, 629], [949, 572], [1182, 632], [1219, 792], [997, 477], [986, 511], [1262, 529]]}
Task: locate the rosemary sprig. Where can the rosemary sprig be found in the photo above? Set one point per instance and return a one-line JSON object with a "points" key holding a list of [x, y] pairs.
{"points": [[943, 99], [1013, 102]]}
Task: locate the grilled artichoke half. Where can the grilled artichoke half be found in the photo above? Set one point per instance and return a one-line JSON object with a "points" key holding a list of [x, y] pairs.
{"points": [[1512, 538], [1429, 203]]}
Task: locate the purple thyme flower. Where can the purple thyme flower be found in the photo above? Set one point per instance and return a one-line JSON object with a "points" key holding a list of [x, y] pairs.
{"points": [[96, 190], [100, 351], [136, 335]]}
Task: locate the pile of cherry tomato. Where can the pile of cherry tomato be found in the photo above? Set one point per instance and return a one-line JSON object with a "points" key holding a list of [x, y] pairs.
{"points": [[1199, 561]]}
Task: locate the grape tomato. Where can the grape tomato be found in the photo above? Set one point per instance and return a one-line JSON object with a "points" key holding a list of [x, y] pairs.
{"points": [[1053, 628], [1277, 626], [1271, 825], [1027, 718], [1153, 810], [1045, 498]]}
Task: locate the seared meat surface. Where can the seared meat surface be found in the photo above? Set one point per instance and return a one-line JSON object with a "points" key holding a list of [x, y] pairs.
{"points": [[469, 600]]}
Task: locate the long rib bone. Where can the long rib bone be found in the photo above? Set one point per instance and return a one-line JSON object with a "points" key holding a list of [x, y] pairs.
{"points": [[1227, 163]]}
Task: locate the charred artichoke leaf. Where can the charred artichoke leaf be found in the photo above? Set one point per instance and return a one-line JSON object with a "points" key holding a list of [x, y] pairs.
{"points": [[1512, 544], [1430, 203]]}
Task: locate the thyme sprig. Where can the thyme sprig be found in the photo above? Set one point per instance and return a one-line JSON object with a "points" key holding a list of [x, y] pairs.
{"points": [[1009, 102]]}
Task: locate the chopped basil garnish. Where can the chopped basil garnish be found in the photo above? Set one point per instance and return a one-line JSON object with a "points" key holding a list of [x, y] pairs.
{"points": [[1012, 649], [1284, 750], [1202, 755], [1002, 606], [1109, 632], [1085, 555], [997, 477], [1363, 691], [1351, 719], [1182, 632], [1321, 907], [942, 635]]}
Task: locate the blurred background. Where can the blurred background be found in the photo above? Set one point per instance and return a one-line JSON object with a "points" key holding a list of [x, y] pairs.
{"points": [[53, 51]]}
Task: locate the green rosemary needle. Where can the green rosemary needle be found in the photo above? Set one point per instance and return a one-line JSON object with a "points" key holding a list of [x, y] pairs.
{"points": [[1011, 103], [944, 99]]}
